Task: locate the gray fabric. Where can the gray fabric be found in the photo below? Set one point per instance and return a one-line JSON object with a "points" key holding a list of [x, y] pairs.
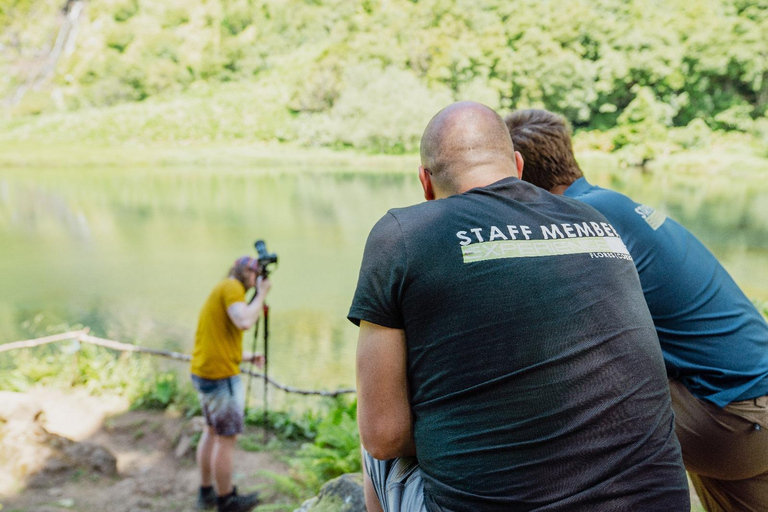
{"points": [[397, 482]]}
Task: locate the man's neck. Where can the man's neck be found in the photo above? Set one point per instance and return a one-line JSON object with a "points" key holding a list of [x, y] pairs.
{"points": [[482, 180], [559, 190]]}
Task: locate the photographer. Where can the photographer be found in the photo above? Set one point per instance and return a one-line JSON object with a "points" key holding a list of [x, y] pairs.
{"points": [[215, 371]]}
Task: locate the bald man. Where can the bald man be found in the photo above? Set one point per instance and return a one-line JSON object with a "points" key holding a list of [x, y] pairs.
{"points": [[506, 358]]}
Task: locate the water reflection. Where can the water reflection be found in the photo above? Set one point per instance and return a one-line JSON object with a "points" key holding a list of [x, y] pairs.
{"points": [[133, 253]]}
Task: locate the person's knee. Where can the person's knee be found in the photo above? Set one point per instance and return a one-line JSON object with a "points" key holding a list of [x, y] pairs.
{"points": [[226, 441]]}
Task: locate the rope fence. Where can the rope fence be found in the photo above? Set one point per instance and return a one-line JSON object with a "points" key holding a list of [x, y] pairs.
{"points": [[83, 336]]}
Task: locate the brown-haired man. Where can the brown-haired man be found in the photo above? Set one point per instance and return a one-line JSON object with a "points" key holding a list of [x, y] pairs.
{"points": [[482, 352], [714, 341], [215, 371]]}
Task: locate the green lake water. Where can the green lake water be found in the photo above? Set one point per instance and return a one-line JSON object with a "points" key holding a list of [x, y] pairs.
{"points": [[133, 253]]}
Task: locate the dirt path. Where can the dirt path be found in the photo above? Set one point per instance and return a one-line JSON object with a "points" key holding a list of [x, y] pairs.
{"points": [[151, 475]]}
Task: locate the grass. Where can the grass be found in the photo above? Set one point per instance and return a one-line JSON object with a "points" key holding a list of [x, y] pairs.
{"points": [[233, 155]]}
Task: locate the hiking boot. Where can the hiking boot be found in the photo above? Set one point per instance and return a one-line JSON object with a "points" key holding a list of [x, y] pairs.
{"points": [[234, 503], [206, 498]]}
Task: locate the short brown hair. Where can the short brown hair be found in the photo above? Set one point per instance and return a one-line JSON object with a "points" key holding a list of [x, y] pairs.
{"points": [[544, 140], [241, 265]]}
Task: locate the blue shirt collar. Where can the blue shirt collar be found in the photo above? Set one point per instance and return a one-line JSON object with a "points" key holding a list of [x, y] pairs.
{"points": [[577, 188]]}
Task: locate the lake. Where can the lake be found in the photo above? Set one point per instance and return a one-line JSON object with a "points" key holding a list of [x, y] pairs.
{"points": [[133, 252]]}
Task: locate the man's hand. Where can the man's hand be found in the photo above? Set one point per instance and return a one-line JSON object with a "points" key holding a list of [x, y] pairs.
{"points": [[255, 359], [262, 286], [384, 414]]}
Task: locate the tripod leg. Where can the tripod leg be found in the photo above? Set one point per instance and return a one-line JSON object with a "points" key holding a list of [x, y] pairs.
{"points": [[266, 370], [250, 367]]}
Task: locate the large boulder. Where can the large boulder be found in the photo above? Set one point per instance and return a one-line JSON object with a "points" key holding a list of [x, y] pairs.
{"points": [[342, 494], [31, 454]]}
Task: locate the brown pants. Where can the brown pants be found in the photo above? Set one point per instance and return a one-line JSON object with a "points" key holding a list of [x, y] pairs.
{"points": [[725, 450]]}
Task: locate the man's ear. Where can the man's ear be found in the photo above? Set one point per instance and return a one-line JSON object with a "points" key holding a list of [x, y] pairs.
{"points": [[520, 163], [425, 177]]}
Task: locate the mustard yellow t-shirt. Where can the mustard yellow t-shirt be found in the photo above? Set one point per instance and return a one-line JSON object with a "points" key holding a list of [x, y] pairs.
{"points": [[218, 342]]}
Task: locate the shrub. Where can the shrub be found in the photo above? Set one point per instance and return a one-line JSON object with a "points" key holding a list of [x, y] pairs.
{"points": [[123, 10], [119, 38], [336, 448], [377, 110]]}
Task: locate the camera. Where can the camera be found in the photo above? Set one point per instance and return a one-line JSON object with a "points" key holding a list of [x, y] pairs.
{"points": [[265, 258]]}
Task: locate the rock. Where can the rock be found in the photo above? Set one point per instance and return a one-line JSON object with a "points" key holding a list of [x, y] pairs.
{"points": [[92, 456], [86, 455], [18, 407], [29, 452], [55, 492], [307, 505], [342, 494], [185, 443], [125, 487], [188, 433], [23, 447], [152, 486]]}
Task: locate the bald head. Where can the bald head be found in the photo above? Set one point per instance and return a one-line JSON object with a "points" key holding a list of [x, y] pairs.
{"points": [[466, 145]]}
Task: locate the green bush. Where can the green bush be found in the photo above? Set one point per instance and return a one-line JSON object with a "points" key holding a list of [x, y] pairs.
{"points": [[697, 135], [237, 17], [374, 113], [369, 74], [737, 117], [165, 389], [123, 10], [336, 448], [333, 450], [286, 425], [97, 369], [175, 16], [119, 38]]}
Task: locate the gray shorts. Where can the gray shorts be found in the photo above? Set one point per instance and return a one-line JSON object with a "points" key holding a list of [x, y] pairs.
{"points": [[223, 403], [398, 483]]}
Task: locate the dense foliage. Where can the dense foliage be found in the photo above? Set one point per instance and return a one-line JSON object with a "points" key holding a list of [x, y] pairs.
{"points": [[369, 73]]}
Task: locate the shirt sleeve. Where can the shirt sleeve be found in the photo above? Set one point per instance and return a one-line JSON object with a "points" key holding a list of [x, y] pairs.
{"points": [[382, 273], [233, 292]]}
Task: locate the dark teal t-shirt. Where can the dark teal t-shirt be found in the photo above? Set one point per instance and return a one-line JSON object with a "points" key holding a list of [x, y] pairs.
{"points": [[535, 375], [713, 338]]}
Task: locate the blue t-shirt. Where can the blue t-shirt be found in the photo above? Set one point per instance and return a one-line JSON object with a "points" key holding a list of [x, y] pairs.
{"points": [[713, 338]]}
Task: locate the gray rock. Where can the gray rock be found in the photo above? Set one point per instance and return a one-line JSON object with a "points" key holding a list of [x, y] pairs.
{"points": [[342, 494], [55, 492], [307, 505], [187, 435], [92, 456]]}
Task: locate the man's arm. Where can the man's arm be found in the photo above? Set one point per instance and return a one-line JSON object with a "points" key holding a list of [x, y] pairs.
{"points": [[384, 414], [244, 315]]}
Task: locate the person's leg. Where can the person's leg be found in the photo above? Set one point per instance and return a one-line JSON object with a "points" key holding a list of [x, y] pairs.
{"points": [[748, 495], [204, 453], [206, 497], [724, 450], [223, 451]]}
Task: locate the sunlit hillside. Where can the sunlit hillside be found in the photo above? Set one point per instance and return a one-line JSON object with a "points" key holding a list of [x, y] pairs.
{"points": [[369, 73]]}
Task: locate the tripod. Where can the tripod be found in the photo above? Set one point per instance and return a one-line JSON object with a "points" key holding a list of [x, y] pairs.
{"points": [[265, 311]]}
